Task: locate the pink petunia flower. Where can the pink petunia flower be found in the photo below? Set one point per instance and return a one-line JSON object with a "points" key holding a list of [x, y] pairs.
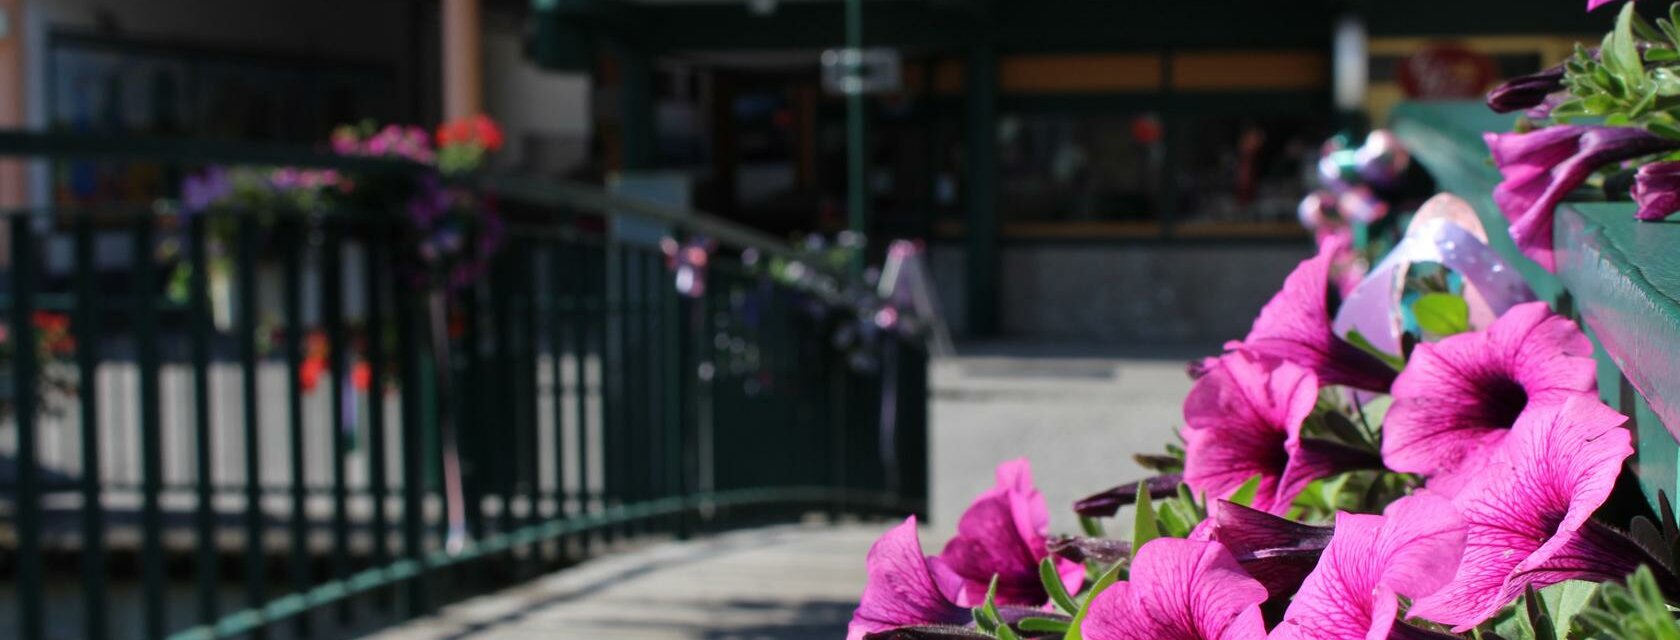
{"points": [[1458, 398], [1003, 534], [1411, 550], [1179, 590], [904, 588], [1541, 167], [1529, 513], [1243, 419], [1295, 326]]}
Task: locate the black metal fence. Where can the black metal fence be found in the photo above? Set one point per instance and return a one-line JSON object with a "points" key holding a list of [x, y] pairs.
{"points": [[266, 406]]}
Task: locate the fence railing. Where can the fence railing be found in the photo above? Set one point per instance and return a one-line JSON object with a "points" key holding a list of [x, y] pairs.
{"points": [[258, 417]]}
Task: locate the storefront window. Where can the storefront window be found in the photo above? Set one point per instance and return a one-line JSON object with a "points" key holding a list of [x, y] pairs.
{"points": [[1079, 167], [1245, 169]]}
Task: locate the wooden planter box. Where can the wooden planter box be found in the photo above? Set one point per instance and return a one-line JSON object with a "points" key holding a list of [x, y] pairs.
{"points": [[1620, 278]]}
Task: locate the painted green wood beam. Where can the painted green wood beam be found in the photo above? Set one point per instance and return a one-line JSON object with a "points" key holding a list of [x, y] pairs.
{"points": [[1622, 275]]}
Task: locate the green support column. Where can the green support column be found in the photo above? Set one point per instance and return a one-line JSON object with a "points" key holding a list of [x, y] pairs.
{"points": [[638, 128], [981, 181]]}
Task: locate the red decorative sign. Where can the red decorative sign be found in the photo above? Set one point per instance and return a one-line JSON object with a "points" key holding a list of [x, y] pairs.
{"points": [[1447, 70]]}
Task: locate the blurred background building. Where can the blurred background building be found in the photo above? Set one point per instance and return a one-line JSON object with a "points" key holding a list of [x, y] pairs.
{"points": [[1077, 167]]}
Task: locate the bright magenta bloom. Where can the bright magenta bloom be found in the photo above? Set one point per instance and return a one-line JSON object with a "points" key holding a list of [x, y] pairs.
{"points": [[1458, 398], [1411, 550], [1179, 590], [904, 588], [1541, 168], [1529, 513], [1003, 534], [1295, 326], [1244, 419]]}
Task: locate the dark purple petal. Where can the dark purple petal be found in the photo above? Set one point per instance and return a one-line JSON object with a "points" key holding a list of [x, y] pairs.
{"points": [[1657, 190], [1541, 168], [1108, 502], [1526, 92], [1277, 551], [1081, 549]]}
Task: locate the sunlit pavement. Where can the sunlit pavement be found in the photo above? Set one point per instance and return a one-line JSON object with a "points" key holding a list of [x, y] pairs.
{"points": [[792, 582], [1078, 413]]}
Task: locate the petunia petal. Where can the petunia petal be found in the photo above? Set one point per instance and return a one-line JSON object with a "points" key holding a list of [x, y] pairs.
{"points": [[1529, 507], [1179, 590], [1458, 397], [1295, 326], [901, 591]]}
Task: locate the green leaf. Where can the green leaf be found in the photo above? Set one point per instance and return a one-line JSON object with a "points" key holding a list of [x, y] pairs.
{"points": [[1442, 314], [986, 615], [1621, 51], [1091, 526], [1246, 493], [1359, 340], [1143, 528], [1044, 625], [1664, 129], [1661, 54], [1107, 580], [1052, 580]]}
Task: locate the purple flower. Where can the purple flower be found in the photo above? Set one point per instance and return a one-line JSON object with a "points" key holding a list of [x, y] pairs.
{"points": [[1657, 190], [1243, 419], [1541, 168], [1529, 513], [1594, 4], [904, 588], [1458, 398], [1277, 551], [1526, 92], [1003, 534], [1411, 550], [202, 191], [1179, 590], [1109, 501], [1295, 326]]}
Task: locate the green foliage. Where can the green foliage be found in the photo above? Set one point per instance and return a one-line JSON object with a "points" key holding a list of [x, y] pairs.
{"points": [[1143, 527], [1632, 80], [1113, 575], [1632, 611], [1053, 585], [1442, 314]]}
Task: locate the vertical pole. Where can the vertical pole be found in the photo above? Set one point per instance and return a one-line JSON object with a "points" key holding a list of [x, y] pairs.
{"points": [[378, 477], [332, 316], [857, 138], [462, 59], [637, 121], [255, 561], [199, 338], [30, 603], [87, 365], [410, 348], [981, 183], [291, 266], [557, 315], [582, 302], [151, 436]]}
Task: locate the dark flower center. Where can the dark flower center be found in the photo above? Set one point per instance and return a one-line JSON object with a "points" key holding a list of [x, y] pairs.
{"points": [[1505, 399]]}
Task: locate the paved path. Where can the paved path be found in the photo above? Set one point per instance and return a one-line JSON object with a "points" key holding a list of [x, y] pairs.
{"points": [[1078, 415], [798, 582]]}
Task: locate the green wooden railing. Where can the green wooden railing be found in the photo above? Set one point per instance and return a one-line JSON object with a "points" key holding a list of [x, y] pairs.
{"points": [[1620, 278], [595, 405]]}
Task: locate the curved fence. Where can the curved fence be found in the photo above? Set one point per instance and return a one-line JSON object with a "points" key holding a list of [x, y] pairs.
{"points": [[262, 423]]}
